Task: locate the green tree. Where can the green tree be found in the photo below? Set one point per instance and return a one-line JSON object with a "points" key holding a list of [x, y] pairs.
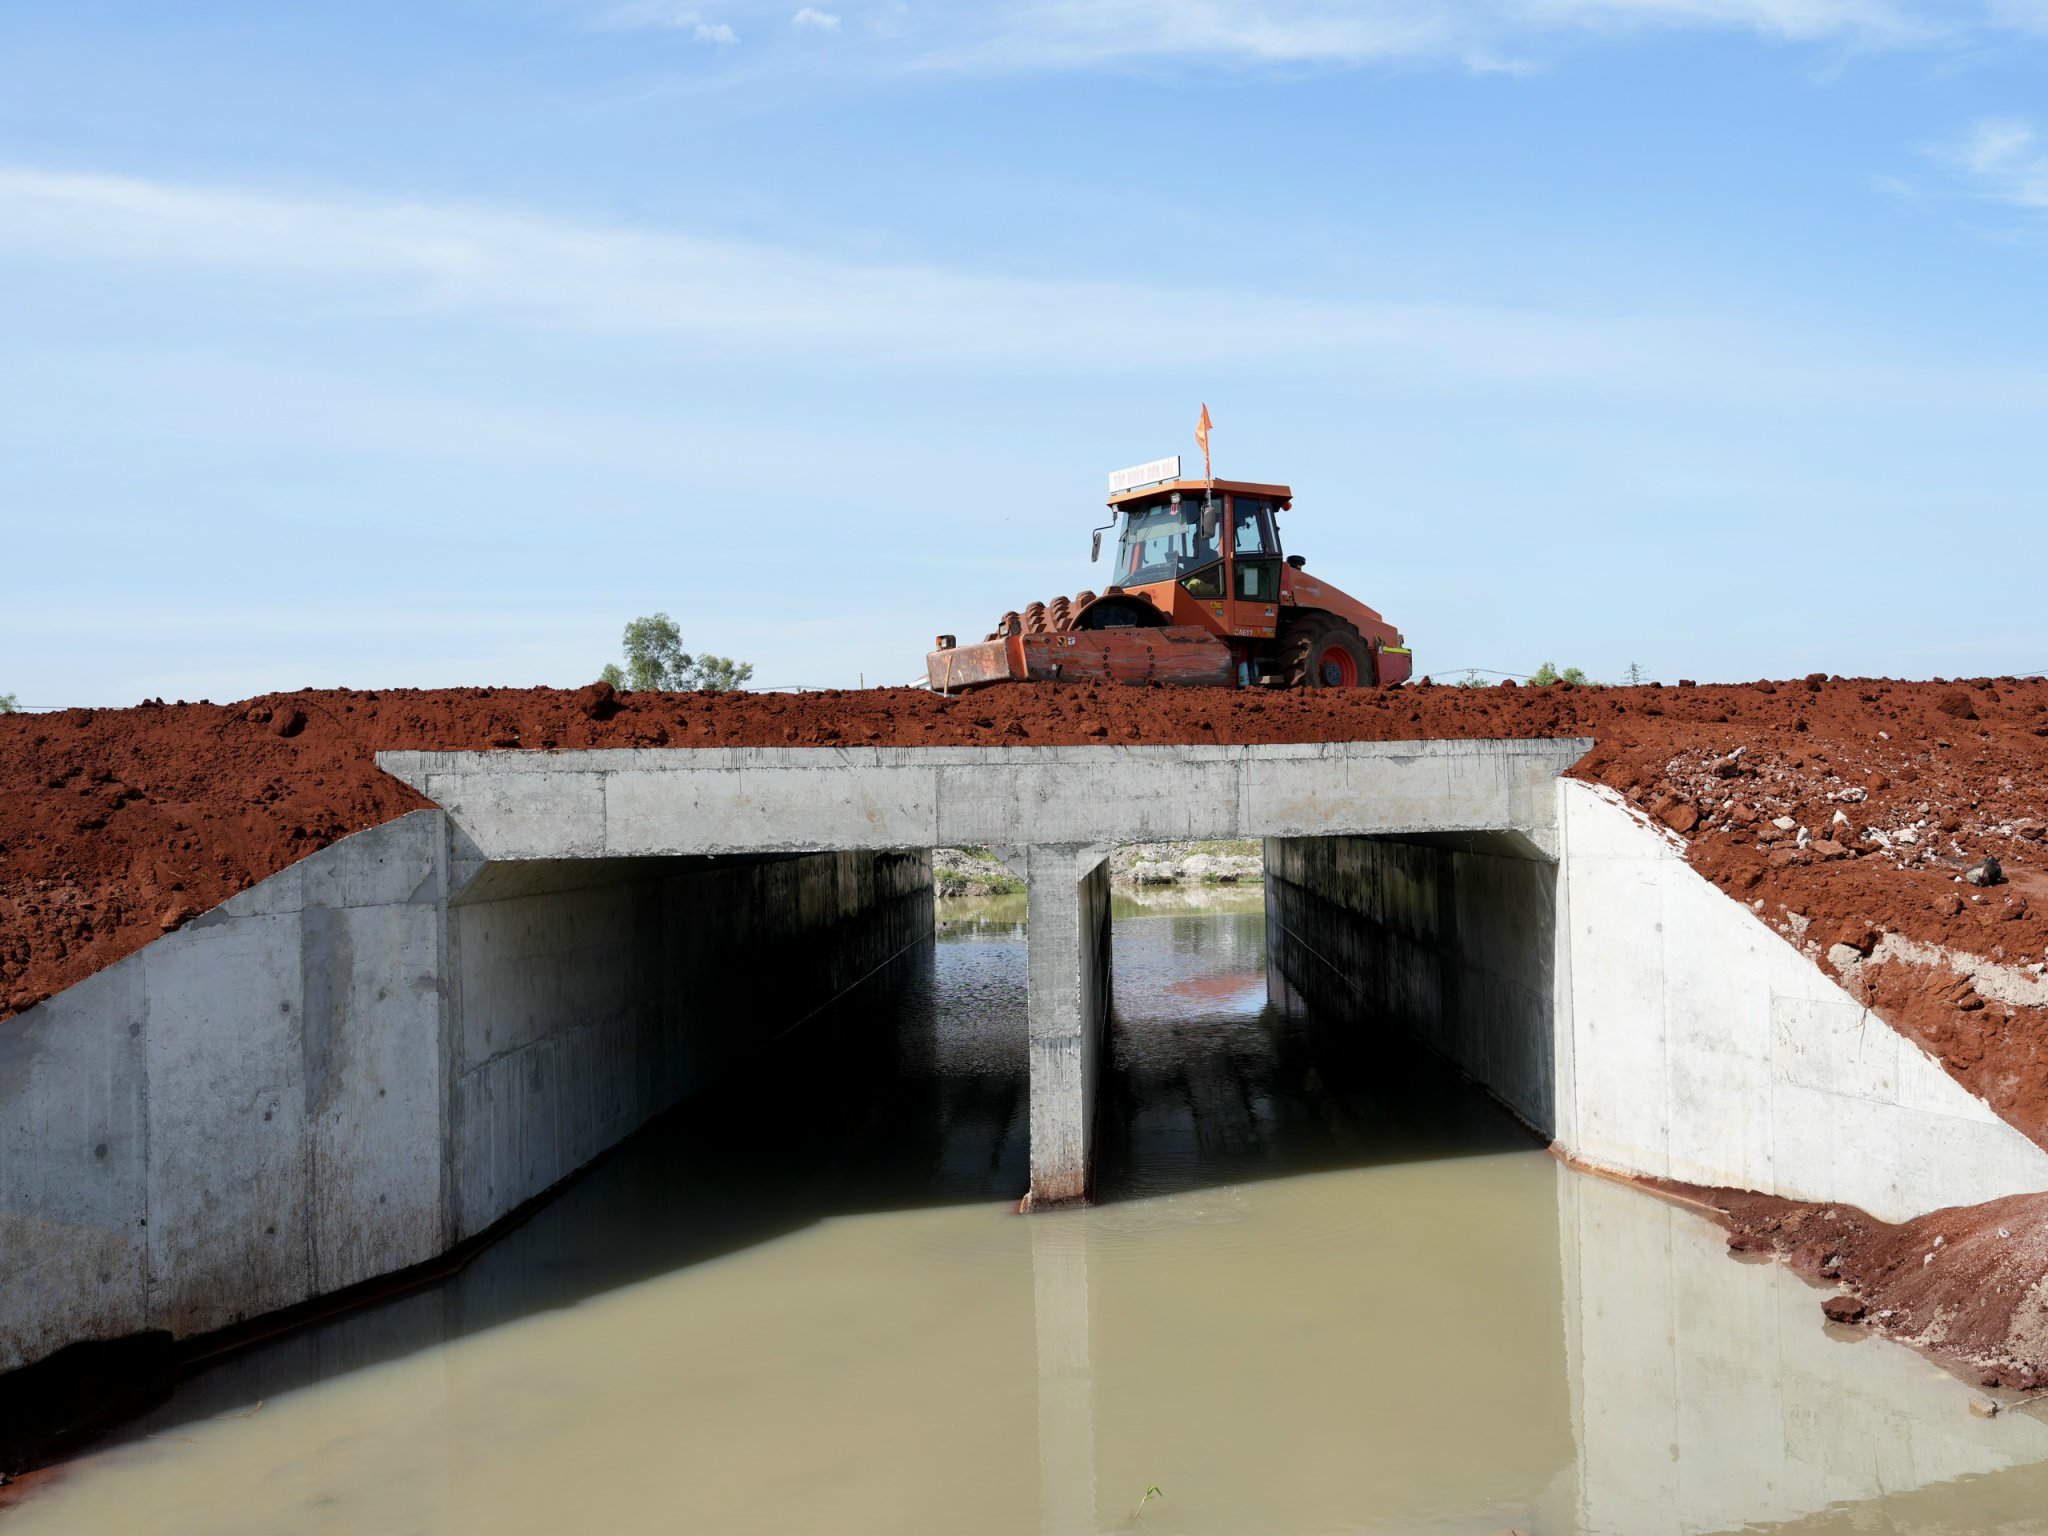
{"points": [[655, 660], [721, 674], [8, 704], [1573, 675], [655, 657], [1544, 675]]}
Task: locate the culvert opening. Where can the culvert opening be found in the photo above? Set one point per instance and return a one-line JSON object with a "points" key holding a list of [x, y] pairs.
{"points": [[1310, 1018]]}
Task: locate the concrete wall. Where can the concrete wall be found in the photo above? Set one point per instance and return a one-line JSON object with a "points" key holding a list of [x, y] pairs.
{"points": [[592, 994], [1703, 1047], [245, 1113], [348, 1067], [1451, 940]]}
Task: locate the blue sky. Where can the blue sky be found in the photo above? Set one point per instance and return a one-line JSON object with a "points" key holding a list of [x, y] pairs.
{"points": [[426, 343]]}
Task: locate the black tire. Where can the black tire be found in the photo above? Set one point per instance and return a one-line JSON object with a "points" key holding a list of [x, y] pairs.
{"points": [[1322, 651]]}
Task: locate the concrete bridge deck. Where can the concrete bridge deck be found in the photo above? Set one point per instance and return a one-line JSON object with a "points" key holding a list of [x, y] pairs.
{"points": [[670, 801]]}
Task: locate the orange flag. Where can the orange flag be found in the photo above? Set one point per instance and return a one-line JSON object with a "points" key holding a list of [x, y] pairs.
{"points": [[1202, 437]]}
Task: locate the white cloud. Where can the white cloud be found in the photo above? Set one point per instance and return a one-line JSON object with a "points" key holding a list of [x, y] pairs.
{"points": [[2023, 15], [2006, 160], [750, 299], [1481, 34], [1871, 20], [635, 15], [713, 301]]}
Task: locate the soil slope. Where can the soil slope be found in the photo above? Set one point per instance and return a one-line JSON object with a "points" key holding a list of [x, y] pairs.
{"points": [[118, 825]]}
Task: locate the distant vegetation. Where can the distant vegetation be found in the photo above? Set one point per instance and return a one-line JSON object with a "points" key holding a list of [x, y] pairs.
{"points": [[1543, 677], [656, 661], [8, 704]]}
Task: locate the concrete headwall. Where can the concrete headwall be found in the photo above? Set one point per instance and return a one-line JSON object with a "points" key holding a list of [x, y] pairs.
{"points": [[245, 1113], [1452, 940], [1703, 1047], [348, 1067]]}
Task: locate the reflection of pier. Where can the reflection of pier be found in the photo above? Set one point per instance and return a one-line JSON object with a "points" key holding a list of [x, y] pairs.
{"points": [[1066, 1381]]}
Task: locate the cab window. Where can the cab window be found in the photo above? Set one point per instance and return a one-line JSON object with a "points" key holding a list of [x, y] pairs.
{"points": [[1252, 519], [1163, 541], [1258, 581]]}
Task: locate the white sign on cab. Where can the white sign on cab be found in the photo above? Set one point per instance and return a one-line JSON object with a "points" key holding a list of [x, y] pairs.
{"points": [[1121, 480]]}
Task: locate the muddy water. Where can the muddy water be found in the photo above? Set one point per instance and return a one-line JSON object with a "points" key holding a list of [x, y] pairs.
{"points": [[1328, 1288]]}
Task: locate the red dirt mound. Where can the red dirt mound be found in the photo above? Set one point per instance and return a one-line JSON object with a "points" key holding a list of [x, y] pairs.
{"points": [[117, 825]]}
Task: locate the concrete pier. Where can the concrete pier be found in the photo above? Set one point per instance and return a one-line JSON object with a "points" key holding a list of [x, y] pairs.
{"points": [[1067, 928]]}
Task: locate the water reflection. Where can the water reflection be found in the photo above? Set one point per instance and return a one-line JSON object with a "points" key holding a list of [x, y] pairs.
{"points": [[1706, 1396], [803, 1305], [1216, 1075]]}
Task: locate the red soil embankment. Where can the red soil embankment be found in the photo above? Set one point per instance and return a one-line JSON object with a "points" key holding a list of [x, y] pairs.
{"points": [[117, 825]]}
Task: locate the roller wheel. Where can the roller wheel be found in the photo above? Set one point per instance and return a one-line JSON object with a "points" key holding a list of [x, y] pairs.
{"points": [[1034, 619], [1325, 652], [1059, 613], [1010, 623]]}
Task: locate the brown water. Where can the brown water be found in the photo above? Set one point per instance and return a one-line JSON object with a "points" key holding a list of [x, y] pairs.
{"points": [[1328, 1289]]}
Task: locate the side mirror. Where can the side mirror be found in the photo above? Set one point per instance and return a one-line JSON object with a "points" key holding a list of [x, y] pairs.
{"points": [[1095, 547], [1208, 522]]}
